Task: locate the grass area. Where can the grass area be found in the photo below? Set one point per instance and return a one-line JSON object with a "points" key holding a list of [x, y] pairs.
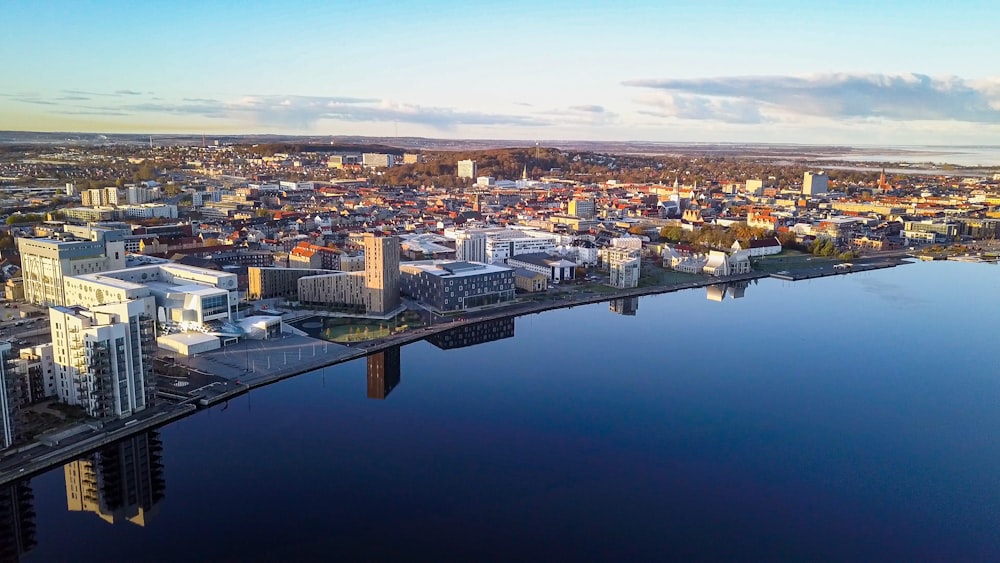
{"points": [[791, 261], [652, 275]]}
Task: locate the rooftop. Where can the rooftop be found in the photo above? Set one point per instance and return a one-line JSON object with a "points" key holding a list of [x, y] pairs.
{"points": [[448, 268]]}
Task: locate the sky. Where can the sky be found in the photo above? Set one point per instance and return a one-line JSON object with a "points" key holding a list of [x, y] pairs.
{"points": [[845, 72]]}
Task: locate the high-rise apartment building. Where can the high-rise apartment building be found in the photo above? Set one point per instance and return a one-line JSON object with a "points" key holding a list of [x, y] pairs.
{"points": [[104, 357], [815, 183], [10, 400], [45, 262], [381, 273], [624, 264], [470, 246], [468, 169], [96, 197], [137, 195]]}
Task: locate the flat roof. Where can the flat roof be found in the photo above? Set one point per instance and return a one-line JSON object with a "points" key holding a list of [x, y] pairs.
{"points": [[453, 269], [188, 338]]}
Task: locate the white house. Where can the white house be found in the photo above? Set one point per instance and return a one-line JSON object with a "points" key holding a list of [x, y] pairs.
{"points": [[760, 247]]}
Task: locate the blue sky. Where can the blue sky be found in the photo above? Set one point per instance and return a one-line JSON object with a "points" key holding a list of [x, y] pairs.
{"points": [[813, 72]]}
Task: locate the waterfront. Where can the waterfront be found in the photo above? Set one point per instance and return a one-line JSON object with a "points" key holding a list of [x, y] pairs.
{"points": [[850, 417]]}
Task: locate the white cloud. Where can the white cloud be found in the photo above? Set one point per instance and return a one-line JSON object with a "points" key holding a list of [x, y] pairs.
{"points": [[752, 99]]}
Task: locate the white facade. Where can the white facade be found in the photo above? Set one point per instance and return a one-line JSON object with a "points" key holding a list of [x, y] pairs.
{"points": [[9, 401], [624, 264], [103, 358], [137, 195], [631, 243], [46, 262], [149, 211], [722, 264], [505, 244], [467, 169], [470, 246], [179, 296]]}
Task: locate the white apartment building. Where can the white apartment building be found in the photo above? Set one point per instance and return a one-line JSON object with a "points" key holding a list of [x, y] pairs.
{"points": [[45, 263], [103, 358], [624, 264], [467, 169], [10, 403], [470, 246], [137, 195]]}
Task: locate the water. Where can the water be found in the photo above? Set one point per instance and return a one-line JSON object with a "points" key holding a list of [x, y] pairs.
{"points": [[846, 418]]}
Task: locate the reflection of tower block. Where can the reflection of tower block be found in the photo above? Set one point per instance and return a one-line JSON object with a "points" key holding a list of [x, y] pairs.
{"points": [[737, 289], [383, 373], [17, 521], [625, 306]]}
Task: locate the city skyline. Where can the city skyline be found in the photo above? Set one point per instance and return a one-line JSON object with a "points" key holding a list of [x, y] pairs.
{"points": [[703, 72]]}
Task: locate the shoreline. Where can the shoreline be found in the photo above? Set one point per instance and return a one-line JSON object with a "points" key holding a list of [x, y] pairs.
{"points": [[171, 412]]}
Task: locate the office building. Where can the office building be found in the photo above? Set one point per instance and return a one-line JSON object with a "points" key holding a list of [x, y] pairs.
{"points": [[381, 273], [45, 263], [467, 169], [383, 372], [501, 246], [10, 400], [583, 208], [122, 482], [412, 158], [815, 183], [455, 286], [103, 358]]}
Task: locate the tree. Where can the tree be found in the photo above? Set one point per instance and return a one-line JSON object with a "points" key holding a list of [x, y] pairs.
{"points": [[637, 230], [672, 234]]}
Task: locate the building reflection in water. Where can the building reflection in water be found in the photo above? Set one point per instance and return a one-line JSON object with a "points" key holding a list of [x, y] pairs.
{"points": [[120, 482], [734, 290], [17, 520], [472, 334], [625, 306], [383, 373]]}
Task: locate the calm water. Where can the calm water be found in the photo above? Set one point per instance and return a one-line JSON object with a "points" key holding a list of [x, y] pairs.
{"points": [[849, 418]]}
